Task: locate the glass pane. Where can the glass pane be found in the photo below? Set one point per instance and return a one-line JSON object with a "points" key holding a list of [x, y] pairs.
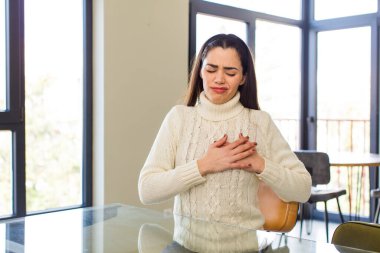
{"points": [[3, 236], [2, 57], [208, 26], [343, 109], [278, 61], [52, 227], [325, 9], [282, 8], [53, 103], [6, 173]]}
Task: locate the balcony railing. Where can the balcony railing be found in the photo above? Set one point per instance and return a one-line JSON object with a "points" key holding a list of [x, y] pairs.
{"points": [[339, 135]]}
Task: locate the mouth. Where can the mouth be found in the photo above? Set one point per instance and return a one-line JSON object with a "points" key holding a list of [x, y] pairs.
{"points": [[219, 90]]}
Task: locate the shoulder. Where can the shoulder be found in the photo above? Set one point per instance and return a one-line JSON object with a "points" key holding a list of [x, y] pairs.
{"points": [[179, 112], [259, 115]]}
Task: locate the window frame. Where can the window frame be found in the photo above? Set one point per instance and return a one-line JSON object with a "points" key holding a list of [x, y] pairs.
{"points": [[310, 28], [13, 118]]}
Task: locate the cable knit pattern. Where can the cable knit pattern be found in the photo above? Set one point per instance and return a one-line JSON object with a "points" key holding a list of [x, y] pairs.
{"points": [[229, 197], [210, 237]]}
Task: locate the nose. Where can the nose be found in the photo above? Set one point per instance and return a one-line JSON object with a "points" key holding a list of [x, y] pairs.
{"points": [[219, 78]]}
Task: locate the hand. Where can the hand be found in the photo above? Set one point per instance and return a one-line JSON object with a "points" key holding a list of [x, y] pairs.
{"points": [[222, 155], [257, 163]]}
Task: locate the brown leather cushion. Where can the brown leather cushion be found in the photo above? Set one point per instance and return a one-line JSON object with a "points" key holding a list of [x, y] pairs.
{"points": [[279, 216]]}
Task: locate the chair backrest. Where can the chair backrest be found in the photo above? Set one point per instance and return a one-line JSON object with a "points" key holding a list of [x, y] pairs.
{"points": [[357, 234], [318, 165], [279, 216]]}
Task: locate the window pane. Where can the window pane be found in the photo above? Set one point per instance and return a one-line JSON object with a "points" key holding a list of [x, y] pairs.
{"points": [[2, 57], [277, 65], [5, 173], [53, 103], [208, 26], [3, 236], [282, 8], [343, 97], [325, 9]]}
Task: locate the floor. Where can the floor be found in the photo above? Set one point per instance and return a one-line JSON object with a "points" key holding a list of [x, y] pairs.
{"points": [[318, 230]]}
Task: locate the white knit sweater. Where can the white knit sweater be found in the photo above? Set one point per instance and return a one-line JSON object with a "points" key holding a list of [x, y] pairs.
{"points": [[230, 196]]}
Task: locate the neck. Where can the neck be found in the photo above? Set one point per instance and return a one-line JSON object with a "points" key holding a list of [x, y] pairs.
{"points": [[219, 112]]}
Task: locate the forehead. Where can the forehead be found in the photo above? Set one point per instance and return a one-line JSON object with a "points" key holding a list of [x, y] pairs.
{"points": [[223, 57]]}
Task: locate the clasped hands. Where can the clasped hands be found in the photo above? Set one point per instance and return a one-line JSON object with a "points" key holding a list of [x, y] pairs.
{"points": [[223, 155]]}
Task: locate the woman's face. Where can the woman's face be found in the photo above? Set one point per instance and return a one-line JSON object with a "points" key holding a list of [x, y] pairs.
{"points": [[222, 73]]}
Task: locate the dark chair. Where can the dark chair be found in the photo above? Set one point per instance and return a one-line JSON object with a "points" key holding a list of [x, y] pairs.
{"points": [[318, 165], [359, 235], [376, 194]]}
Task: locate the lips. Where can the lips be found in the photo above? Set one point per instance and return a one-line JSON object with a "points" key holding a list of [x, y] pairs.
{"points": [[219, 90]]}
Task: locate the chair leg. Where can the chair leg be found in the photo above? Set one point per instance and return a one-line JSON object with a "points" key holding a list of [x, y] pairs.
{"points": [[309, 225], [340, 211], [377, 213], [326, 222], [301, 218]]}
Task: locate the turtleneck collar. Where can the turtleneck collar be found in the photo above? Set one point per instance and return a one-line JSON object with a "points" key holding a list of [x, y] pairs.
{"points": [[215, 112]]}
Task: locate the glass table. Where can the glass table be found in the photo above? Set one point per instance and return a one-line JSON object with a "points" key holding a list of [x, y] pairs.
{"points": [[123, 228]]}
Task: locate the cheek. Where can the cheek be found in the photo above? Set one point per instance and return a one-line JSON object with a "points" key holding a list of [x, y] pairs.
{"points": [[205, 78], [235, 82]]}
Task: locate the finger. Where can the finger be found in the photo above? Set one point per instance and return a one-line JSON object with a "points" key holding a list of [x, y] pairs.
{"points": [[238, 142], [226, 144], [240, 165], [243, 155], [243, 147], [241, 136], [220, 142]]}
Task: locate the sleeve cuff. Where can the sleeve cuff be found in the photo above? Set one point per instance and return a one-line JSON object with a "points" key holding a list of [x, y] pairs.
{"points": [[270, 173], [190, 174]]}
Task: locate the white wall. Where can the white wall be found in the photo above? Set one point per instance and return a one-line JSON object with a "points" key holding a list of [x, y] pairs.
{"points": [[140, 72]]}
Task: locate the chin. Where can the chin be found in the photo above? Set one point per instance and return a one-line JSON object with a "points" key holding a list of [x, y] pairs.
{"points": [[219, 101], [217, 98]]}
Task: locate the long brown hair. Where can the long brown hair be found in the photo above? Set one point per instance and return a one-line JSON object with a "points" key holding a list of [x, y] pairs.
{"points": [[248, 91]]}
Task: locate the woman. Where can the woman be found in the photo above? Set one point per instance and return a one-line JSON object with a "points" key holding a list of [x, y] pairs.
{"points": [[211, 153]]}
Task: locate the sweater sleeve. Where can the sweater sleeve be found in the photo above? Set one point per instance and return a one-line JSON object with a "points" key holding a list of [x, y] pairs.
{"points": [[283, 172], [160, 179]]}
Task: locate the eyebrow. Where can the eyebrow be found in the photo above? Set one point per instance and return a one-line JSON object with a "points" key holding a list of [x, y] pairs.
{"points": [[226, 68]]}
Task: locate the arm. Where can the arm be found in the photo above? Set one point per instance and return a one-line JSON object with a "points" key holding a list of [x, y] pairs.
{"points": [[283, 171], [160, 179]]}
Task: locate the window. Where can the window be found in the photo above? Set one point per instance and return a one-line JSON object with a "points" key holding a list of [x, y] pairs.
{"points": [[277, 57], [53, 98], [46, 126], [208, 26], [344, 85], [278, 60], [283, 8], [2, 57], [344, 68], [325, 9], [5, 173], [318, 79]]}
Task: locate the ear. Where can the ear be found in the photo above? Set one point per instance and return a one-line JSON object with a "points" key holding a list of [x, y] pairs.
{"points": [[200, 73], [243, 80]]}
